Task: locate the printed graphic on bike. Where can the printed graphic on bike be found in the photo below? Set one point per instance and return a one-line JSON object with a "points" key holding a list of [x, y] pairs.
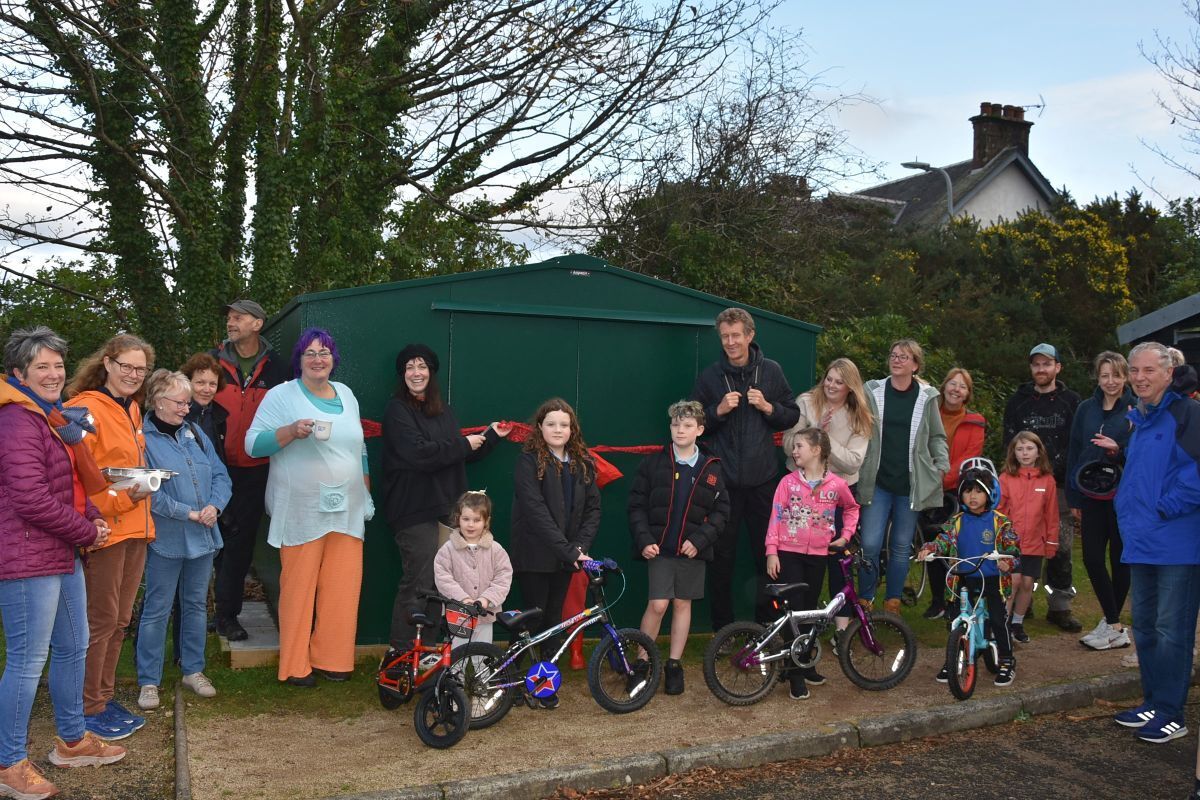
{"points": [[543, 679]]}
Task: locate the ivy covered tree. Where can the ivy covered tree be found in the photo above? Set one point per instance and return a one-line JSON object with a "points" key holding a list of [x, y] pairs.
{"points": [[209, 149]]}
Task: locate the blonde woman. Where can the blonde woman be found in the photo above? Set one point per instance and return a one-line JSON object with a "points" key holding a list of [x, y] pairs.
{"points": [[838, 406]]}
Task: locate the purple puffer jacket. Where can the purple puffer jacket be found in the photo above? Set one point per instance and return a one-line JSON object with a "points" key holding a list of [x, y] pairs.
{"points": [[39, 526]]}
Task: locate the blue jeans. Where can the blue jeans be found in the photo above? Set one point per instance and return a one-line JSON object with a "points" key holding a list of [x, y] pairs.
{"points": [[164, 576], [42, 616], [1166, 600], [885, 507]]}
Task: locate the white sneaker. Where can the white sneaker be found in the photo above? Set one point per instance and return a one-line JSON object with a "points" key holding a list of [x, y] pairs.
{"points": [[199, 683], [1118, 638], [1098, 632], [148, 697]]}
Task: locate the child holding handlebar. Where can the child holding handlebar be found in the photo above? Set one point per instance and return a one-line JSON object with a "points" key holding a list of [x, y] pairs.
{"points": [[975, 531], [472, 566]]}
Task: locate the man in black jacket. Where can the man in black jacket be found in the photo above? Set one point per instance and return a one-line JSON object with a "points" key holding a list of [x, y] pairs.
{"points": [[746, 399], [1046, 407]]}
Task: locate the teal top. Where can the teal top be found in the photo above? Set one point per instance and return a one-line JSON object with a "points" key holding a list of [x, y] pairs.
{"points": [[266, 445]]}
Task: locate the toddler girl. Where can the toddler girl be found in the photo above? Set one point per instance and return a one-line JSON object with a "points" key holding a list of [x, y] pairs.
{"points": [[472, 566]]}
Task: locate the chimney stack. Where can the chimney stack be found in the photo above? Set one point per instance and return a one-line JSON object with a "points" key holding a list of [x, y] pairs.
{"points": [[996, 128]]}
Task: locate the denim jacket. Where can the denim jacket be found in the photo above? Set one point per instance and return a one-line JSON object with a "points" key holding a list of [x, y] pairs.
{"points": [[202, 480]]}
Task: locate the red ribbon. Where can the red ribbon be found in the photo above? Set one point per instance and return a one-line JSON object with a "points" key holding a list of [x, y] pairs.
{"points": [[606, 473]]}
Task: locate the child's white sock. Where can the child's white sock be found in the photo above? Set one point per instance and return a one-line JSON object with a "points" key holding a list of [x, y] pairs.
{"points": [[1017, 619]]}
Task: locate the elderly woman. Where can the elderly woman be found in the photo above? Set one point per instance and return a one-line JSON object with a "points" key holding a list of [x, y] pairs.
{"points": [[1158, 510], [109, 383], [902, 472], [965, 434], [44, 517], [424, 472], [186, 538], [318, 498]]}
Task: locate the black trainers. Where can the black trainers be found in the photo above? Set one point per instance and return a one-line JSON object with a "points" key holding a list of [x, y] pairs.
{"points": [[943, 675], [1017, 629], [549, 703], [935, 611], [231, 629], [813, 677], [798, 690], [1006, 674], [674, 677], [1064, 620]]}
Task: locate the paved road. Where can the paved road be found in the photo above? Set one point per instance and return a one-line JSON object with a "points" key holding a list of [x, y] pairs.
{"points": [[1079, 754]]}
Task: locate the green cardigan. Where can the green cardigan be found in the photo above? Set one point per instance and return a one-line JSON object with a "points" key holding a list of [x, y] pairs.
{"points": [[928, 455]]}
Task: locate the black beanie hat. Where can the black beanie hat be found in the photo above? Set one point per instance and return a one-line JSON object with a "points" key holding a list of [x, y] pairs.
{"points": [[979, 479], [416, 350]]}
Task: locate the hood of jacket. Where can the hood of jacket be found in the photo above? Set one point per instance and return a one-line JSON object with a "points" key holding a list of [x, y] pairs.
{"points": [[229, 353], [754, 361], [10, 394]]}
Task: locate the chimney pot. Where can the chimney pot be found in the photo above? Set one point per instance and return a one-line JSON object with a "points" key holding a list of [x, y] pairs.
{"points": [[985, 108]]}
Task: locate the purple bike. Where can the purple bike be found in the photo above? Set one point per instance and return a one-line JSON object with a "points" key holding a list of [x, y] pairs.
{"points": [[876, 651]]}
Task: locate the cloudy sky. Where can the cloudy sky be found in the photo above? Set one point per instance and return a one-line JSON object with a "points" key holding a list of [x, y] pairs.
{"points": [[929, 65]]}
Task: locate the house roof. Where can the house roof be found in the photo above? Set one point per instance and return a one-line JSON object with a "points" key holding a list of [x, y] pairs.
{"points": [[920, 199], [1157, 320]]}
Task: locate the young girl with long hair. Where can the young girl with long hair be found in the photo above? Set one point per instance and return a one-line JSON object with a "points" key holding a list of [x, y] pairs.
{"points": [[1029, 497]]}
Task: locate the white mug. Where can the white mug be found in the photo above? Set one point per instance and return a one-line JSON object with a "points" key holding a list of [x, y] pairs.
{"points": [[322, 428]]}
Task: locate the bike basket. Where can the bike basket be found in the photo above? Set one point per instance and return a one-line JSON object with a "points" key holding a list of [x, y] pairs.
{"points": [[460, 624]]}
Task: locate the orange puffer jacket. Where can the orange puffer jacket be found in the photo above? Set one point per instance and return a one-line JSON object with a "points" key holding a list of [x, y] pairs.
{"points": [[118, 442]]}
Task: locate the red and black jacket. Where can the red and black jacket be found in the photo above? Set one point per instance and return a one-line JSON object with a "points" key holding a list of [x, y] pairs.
{"points": [[653, 492], [242, 396]]}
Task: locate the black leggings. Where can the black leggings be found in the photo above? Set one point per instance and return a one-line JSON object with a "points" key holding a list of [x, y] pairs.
{"points": [[1101, 538], [547, 591], [997, 621]]}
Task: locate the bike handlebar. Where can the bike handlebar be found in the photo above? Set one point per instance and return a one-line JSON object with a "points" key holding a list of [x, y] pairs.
{"points": [[475, 609], [596, 566]]}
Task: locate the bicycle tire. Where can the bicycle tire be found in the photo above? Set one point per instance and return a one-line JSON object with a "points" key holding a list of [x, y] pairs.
{"points": [[609, 681], [487, 705], [887, 670], [991, 659], [440, 716], [917, 578], [389, 699], [726, 680], [960, 664]]}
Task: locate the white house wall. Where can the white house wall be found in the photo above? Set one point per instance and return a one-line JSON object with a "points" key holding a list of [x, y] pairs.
{"points": [[1004, 197]]}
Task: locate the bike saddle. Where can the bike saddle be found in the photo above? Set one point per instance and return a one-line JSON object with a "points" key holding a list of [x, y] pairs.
{"points": [[519, 621], [420, 618], [782, 591]]}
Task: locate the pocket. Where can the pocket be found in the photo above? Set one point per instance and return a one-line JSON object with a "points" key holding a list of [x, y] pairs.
{"points": [[333, 497]]}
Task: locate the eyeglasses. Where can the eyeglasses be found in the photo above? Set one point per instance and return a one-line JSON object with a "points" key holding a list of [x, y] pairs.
{"points": [[312, 355], [899, 357], [179, 403], [130, 369]]}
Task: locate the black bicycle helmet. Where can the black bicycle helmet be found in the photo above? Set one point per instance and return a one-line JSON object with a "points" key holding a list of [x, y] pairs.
{"points": [[1098, 479]]}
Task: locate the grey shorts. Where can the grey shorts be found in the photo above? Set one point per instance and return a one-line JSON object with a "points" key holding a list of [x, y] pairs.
{"points": [[676, 578]]}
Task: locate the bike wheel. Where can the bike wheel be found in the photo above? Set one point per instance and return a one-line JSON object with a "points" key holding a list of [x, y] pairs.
{"points": [[440, 716], [727, 675], [960, 663], [991, 658], [474, 664], [619, 688], [886, 670], [389, 699], [915, 583]]}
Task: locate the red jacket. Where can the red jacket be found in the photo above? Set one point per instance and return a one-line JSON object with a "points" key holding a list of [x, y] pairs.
{"points": [[242, 396], [1030, 500], [967, 443]]}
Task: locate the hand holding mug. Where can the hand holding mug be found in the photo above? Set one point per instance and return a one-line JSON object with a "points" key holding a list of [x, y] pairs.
{"points": [[303, 428]]}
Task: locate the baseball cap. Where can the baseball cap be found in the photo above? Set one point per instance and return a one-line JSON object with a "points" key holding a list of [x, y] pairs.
{"points": [[246, 307], [1044, 349]]}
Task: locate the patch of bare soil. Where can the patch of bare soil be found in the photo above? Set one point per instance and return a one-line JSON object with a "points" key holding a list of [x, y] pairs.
{"points": [[285, 755], [146, 773]]}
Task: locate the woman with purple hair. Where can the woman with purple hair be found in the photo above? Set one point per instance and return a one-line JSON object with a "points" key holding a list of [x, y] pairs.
{"points": [[318, 496]]}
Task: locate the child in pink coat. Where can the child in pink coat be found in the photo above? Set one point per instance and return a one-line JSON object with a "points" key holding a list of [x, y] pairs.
{"points": [[472, 566], [802, 529]]}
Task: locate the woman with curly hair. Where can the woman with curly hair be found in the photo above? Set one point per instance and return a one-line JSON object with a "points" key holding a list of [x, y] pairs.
{"points": [[110, 384], [555, 514]]}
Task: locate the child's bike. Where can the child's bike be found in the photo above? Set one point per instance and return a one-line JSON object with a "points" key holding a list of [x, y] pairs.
{"points": [[440, 715], [969, 638], [623, 673], [876, 651]]}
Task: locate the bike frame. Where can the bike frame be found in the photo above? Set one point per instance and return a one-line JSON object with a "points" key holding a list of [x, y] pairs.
{"points": [[414, 654], [818, 616], [592, 615], [971, 615]]}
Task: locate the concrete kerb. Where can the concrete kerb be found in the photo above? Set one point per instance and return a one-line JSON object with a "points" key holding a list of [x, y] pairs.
{"points": [[183, 776], [758, 750]]}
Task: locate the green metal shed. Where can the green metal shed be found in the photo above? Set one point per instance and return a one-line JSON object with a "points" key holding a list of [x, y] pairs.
{"points": [[619, 346]]}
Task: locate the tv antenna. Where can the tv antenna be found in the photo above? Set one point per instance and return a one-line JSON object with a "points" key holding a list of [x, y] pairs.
{"points": [[1040, 105]]}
